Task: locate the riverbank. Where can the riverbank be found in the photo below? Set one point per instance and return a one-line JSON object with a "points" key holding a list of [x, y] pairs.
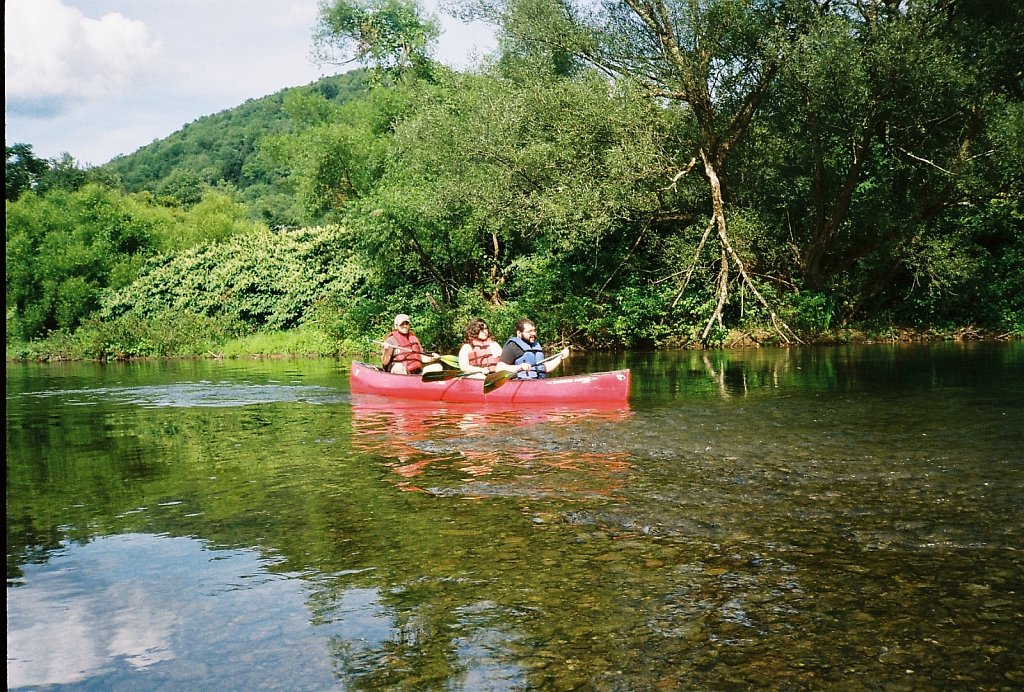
{"points": [[312, 343], [875, 335]]}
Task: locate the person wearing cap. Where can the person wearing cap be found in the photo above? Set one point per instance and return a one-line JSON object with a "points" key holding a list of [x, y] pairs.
{"points": [[403, 354]]}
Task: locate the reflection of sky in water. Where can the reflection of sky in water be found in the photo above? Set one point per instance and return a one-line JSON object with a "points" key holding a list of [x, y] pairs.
{"points": [[107, 612], [484, 644], [197, 394], [140, 611]]}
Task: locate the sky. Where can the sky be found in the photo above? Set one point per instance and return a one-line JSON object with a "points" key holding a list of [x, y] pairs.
{"points": [[101, 78]]}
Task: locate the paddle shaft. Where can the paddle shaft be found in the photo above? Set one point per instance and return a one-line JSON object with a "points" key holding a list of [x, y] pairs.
{"points": [[442, 375], [496, 379], [396, 347], [445, 360]]}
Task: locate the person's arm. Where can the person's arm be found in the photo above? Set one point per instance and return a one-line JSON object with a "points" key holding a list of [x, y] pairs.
{"points": [[556, 361], [509, 355], [388, 353]]}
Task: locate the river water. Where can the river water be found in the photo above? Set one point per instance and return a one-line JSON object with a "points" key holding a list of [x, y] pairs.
{"points": [[837, 518]]}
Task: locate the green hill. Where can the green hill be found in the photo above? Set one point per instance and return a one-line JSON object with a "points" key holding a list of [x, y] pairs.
{"points": [[221, 150]]}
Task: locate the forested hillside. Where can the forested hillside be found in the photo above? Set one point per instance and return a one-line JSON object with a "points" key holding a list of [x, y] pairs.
{"points": [[222, 150], [642, 174]]}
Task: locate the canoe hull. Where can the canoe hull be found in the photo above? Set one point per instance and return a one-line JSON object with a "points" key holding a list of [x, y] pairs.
{"points": [[572, 390]]}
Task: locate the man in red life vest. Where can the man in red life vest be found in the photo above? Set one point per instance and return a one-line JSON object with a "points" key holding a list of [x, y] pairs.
{"points": [[403, 354]]}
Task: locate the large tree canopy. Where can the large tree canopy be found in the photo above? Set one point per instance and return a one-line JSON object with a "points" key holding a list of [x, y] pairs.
{"points": [[632, 171], [391, 35], [712, 61], [879, 107]]}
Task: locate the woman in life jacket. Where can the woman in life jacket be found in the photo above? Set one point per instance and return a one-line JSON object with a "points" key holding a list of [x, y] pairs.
{"points": [[403, 354], [525, 353], [480, 353]]}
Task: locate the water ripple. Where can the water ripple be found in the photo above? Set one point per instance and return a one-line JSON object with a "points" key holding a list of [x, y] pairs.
{"points": [[195, 395]]}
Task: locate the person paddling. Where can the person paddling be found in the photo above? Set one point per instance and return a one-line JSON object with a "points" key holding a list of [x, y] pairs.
{"points": [[403, 354], [525, 353]]}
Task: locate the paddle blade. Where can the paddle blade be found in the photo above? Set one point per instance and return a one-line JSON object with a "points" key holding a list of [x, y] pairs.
{"points": [[450, 361], [438, 375], [494, 380]]}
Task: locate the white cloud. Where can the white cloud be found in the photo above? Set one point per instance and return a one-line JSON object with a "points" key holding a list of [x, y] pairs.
{"points": [[55, 56], [98, 78]]}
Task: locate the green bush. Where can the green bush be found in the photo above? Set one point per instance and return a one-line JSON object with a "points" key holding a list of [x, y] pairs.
{"points": [[172, 333], [809, 313], [265, 280], [65, 249]]}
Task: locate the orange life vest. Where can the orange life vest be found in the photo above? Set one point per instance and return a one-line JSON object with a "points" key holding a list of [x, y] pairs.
{"points": [[480, 354], [412, 358]]}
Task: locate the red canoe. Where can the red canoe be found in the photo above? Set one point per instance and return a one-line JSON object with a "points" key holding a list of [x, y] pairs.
{"points": [[571, 390]]}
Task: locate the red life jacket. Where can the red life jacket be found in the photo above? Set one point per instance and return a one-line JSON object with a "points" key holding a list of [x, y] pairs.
{"points": [[480, 354], [412, 359]]}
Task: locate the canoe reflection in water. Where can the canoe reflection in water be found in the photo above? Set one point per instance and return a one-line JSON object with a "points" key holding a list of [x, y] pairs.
{"points": [[465, 450]]}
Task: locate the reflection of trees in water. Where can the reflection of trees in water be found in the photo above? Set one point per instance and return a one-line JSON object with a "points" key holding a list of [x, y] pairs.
{"points": [[731, 373], [435, 640], [723, 373], [484, 602]]}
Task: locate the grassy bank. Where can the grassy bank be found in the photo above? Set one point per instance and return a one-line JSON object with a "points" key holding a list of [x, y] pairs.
{"points": [[305, 342]]}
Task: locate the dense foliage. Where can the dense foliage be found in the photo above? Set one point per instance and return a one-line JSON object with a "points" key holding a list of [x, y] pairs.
{"points": [[265, 279], [65, 248], [223, 150], [774, 170]]}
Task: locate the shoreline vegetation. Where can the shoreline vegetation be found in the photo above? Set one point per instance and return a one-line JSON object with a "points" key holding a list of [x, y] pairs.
{"points": [[311, 343], [729, 192]]}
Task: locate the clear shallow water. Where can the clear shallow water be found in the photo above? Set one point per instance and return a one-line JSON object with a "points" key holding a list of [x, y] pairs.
{"points": [[798, 519]]}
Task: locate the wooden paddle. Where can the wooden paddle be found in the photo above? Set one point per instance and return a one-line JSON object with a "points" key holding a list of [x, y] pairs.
{"points": [[494, 380]]}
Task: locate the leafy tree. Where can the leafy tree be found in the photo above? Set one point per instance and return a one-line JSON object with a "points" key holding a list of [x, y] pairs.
{"points": [[183, 187], [27, 173], [338, 155], [879, 167], [64, 174], [523, 190], [23, 170], [713, 61], [858, 121], [64, 249], [393, 36]]}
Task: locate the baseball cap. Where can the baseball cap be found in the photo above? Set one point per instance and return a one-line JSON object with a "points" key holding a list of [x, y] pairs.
{"points": [[401, 318]]}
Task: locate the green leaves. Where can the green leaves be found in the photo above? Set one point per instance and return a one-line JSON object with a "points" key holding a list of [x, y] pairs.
{"points": [[65, 249], [390, 35], [265, 280], [879, 174]]}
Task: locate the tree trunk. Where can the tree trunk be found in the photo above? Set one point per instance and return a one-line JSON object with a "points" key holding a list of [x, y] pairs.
{"points": [[815, 254], [718, 221]]}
